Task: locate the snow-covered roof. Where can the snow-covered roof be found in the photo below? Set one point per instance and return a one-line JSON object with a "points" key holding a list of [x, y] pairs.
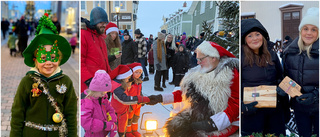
{"points": [[248, 13], [291, 4]]}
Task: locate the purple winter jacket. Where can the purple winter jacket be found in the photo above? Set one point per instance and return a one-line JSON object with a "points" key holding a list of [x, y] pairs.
{"points": [[183, 39], [93, 116]]}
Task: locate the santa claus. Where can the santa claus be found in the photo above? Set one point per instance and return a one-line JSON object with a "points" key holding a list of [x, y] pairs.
{"points": [[210, 93]]}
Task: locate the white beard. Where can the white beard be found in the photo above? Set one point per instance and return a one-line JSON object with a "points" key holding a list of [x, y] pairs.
{"points": [[206, 69]]}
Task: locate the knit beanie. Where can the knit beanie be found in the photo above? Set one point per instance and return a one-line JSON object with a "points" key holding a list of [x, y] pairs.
{"points": [[101, 82], [312, 18], [161, 35], [111, 27], [98, 15], [125, 32]]}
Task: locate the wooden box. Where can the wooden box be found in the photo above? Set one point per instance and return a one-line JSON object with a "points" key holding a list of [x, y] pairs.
{"points": [[265, 95], [290, 87]]}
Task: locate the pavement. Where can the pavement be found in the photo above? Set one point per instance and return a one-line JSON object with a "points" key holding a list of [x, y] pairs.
{"points": [[13, 70]]}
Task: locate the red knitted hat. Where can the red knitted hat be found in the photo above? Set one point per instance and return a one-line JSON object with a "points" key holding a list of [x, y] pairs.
{"points": [[213, 50], [111, 27], [121, 72], [134, 66]]}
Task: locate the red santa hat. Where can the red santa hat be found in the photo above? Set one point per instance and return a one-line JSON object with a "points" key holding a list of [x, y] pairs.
{"points": [[135, 66], [121, 72], [111, 27], [213, 50]]}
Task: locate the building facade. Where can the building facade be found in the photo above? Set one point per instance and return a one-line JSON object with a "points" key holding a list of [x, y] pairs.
{"points": [[204, 11], [281, 18], [178, 22], [126, 17], [5, 10], [67, 14]]}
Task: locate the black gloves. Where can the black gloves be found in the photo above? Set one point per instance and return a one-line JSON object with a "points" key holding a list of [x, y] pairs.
{"points": [[281, 92], [87, 82], [154, 99], [248, 109], [207, 125], [306, 99]]}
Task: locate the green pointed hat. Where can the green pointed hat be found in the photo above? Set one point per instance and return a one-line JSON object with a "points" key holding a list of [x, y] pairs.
{"points": [[46, 34]]}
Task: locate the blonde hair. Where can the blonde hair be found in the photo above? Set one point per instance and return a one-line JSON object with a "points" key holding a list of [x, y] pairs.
{"points": [[92, 93], [303, 47]]}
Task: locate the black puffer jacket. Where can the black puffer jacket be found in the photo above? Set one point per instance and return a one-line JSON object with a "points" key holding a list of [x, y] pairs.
{"points": [[129, 52], [304, 71]]}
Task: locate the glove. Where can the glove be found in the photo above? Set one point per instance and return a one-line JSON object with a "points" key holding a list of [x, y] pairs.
{"points": [[207, 125], [109, 126], [281, 92], [248, 109], [306, 99], [154, 99], [87, 82], [142, 99]]}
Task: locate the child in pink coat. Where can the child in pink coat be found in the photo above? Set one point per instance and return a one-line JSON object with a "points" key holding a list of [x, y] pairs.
{"points": [[97, 115]]}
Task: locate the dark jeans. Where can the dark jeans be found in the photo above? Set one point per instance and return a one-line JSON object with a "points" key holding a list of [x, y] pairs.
{"points": [[306, 121], [73, 49], [177, 79], [157, 78], [142, 61], [265, 120]]}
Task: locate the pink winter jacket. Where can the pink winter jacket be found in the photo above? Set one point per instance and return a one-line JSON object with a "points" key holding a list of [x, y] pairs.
{"points": [[93, 116]]}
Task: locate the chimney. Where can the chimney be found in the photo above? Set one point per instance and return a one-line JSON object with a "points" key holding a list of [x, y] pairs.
{"points": [[184, 4]]}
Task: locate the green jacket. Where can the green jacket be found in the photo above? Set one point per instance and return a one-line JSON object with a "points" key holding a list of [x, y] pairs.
{"points": [[39, 110], [12, 41]]}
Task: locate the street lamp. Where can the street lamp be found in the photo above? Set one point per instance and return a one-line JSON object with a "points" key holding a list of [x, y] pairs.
{"points": [[117, 11]]}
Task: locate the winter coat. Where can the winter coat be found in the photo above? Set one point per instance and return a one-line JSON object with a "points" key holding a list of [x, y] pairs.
{"points": [[180, 63], [170, 53], [270, 75], [12, 41], [183, 39], [129, 52], [73, 41], [304, 71], [157, 64], [215, 94], [94, 112], [94, 55], [135, 90], [39, 109], [142, 46], [150, 57]]}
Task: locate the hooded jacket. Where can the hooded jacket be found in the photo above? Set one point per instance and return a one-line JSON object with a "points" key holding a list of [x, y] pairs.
{"points": [[93, 115], [181, 61], [129, 52], [94, 55], [304, 71]]}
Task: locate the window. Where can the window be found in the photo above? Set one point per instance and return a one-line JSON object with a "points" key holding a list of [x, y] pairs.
{"points": [[211, 4], [101, 4], [121, 4], [296, 15], [83, 5], [195, 12], [197, 30], [203, 7], [286, 16], [128, 27]]}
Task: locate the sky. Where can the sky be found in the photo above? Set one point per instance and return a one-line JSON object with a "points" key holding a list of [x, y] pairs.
{"points": [[21, 5], [150, 13]]}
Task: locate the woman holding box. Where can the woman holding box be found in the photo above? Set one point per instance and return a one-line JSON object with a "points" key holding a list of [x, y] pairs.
{"points": [[301, 64], [261, 66]]}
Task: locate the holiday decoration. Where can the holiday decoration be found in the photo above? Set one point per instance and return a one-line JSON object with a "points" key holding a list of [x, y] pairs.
{"points": [[57, 117], [35, 90], [61, 89]]}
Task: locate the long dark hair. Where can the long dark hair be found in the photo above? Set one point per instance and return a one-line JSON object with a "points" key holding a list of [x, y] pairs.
{"points": [[262, 59]]}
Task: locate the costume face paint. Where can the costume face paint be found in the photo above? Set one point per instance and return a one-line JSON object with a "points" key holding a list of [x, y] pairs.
{"points": [[44, 55]]}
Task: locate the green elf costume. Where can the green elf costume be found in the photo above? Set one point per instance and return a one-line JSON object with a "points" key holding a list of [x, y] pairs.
{"points": [[45, 106]]}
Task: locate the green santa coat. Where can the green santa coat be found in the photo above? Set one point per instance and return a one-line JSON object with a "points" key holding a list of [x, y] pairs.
{"points": [[39, 109]]}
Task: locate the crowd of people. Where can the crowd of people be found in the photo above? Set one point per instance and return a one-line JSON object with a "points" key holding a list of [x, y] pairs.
{"points": [[113, 71]]}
